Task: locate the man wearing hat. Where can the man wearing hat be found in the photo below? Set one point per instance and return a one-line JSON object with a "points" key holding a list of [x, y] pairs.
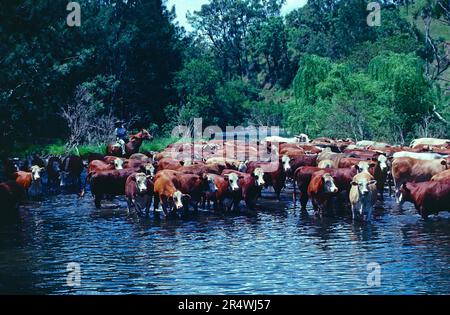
{"points": [[121, 135]]}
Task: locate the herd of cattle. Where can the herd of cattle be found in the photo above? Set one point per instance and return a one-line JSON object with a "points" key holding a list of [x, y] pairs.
{"points": [[334, 174]]}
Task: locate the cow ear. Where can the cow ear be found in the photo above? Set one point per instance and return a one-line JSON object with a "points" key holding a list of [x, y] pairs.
{"points": [[225, 177], [241, 176], [354, 183], [372, 164], [372, 182]]}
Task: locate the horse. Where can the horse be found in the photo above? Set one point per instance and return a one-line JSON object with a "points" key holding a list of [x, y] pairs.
{"points": [[131, 147]]}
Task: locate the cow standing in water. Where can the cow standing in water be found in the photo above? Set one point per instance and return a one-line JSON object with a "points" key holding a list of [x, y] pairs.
{"points": [[30, 181], [131, 147], [72, 167]]}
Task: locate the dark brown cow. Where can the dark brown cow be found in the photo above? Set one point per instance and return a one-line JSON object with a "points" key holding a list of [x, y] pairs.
{"points": [[139, 192], [320, 190], [72, 167], [427, 197], [132, 146], [111, 183], [303, 160], [302, 177], [54, 167], [11, 193]]}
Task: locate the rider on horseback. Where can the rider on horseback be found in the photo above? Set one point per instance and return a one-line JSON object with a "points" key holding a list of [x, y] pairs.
{"points": [[121, 135]]}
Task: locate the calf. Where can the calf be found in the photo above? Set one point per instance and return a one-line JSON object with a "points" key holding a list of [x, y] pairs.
{"points": [[414, 170], [363, 196], [427, 197], [321, 189], [139, 192]]}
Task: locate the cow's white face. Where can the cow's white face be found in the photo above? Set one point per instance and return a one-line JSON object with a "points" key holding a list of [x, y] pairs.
{"points": [[382, 161], [259, 177], [178, 199], [141, 183], [211, 184], [36, 172], [363, 167], [285, 162], [233, 181], [363, 185], [149, 170], [242, 167], [118, 164], [329, 185]]}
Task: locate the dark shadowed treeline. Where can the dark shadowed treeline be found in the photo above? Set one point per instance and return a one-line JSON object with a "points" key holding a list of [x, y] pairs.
{"points": [[321, 69]]}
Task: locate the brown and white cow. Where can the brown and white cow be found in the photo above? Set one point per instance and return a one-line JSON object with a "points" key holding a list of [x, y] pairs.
{"points": [[320, 190], [427, 197], [139, 192], [414, 170], [30, 181]]}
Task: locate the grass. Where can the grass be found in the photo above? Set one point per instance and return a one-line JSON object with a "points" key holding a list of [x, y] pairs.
{"points": [[59, 148], [158, 144]]}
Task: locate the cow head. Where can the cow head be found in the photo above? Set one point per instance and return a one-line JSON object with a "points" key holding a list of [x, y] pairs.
{"points": [[328, 184], [233, 181], [363, 183], [258, 175], [404, 194], [383, 162], [36, 172], [118, 164], [285, 162], [303, 138], [146, 135], [179, 198], [141, 182], [242, 167], [210, 183], [55, 165], [148, 169], [364, 166]]}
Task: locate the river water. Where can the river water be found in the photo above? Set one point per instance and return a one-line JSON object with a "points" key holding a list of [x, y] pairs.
{"points": [[274, 250]]}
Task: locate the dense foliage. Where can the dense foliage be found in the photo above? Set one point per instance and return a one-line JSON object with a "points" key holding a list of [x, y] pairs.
{"points": [[321, 69]]}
